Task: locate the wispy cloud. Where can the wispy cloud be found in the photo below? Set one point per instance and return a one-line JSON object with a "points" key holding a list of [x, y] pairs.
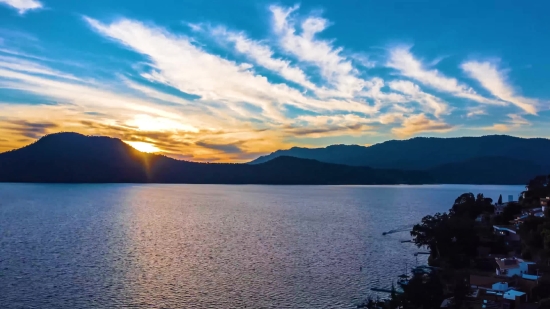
{"points": [[18, 64], [402, 60], [420, 123], [224, 148], [476, 111], [430, 103], [518, 120], [209, 76], [499, 127], [514, 122], [28, 129], [495, 81], [330, 125], [263, 55], [155, 94], [23, 6], [335, 68]]}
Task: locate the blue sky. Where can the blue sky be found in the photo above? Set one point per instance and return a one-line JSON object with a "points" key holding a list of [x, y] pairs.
{"points": [[231, 80]]}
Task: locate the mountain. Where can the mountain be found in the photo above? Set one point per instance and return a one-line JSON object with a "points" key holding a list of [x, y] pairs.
{"points": [[75, 158], [487, 170], [424, 153]]}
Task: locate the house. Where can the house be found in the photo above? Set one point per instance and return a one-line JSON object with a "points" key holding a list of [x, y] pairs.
{"points": [[500, 286], [511, 267], [486, 281], [515, 295], [502, 298], [507, 231], [537, 211], [519, 219], [533, 212]]}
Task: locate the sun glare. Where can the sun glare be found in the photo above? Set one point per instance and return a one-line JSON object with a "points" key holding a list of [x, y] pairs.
{"points": [[144, 146]]}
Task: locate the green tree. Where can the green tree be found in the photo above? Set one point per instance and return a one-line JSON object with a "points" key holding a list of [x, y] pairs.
{"points": [[499, 199]]}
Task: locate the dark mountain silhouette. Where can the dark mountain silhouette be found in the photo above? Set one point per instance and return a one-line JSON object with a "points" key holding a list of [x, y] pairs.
{"points": [[75, 158], [425, 153], [488, 170]]}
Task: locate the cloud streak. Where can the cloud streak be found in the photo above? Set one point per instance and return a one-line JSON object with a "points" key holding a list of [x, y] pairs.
{"points": [[430, 103], [495, 81], [22, 6], [402, 60], [514, 122], [335, 68], [420, 124], [28, 129]]}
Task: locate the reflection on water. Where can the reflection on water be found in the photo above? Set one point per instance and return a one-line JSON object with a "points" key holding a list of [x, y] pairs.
{"points": [[208, 246]]}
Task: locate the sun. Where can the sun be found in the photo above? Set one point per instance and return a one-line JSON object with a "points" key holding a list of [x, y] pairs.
{"points": [[144, 146]]}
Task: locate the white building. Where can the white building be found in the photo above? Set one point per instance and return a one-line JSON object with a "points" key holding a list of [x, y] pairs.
{"points": [[500, 286], [513, 295], [511, 267]]}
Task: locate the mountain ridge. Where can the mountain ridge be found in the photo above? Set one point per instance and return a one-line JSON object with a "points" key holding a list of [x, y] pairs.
{"points": [[75, 158], [412, 153]]}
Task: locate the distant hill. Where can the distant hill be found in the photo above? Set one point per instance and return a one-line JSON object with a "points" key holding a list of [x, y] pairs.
{"points": [[487, 170], [75, 158], [423, 153]]}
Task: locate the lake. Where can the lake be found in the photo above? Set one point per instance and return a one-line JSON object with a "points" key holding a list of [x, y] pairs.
{"points": [[209, 246]]}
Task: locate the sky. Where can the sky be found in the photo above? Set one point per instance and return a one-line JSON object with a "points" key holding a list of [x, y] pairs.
{"points": [[228, 81]]}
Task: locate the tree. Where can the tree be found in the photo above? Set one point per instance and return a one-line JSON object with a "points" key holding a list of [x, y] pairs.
{"points": [[428, 232], [509, 213], [499, 200], [537, 188], [463, 243], [423, 291], [450, 238], [461, 288], [464, 205], [538, 182], [470, 206]]}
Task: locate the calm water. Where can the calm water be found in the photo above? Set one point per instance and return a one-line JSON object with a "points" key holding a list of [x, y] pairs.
{"points": [[208, 246]]}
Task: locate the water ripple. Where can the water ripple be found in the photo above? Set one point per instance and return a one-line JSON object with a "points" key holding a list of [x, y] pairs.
{"points": [[206, 246]]}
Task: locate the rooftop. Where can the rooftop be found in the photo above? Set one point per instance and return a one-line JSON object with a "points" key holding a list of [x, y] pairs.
{"points": [[508, 228], [512, 294], [509, 263]]}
